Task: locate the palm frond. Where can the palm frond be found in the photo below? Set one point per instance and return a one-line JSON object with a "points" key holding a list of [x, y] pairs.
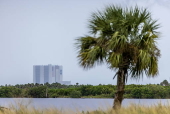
{"points": [[124, 38]]}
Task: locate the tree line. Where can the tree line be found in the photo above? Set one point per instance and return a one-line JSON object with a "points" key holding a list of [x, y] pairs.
{"points": [[57, 90]]}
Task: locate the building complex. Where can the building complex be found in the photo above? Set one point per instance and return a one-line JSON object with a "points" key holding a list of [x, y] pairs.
{"points": [[48, 73]]}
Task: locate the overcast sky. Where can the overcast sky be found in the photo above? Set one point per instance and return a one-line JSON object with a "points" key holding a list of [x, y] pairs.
{"points": [[41, 32]]}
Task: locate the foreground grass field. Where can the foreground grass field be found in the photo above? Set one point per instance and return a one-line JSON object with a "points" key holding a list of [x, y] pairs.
{"points": [[131, 109]]}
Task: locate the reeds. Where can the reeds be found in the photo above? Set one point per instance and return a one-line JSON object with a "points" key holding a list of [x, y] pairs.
{"points": [[21, 108]]}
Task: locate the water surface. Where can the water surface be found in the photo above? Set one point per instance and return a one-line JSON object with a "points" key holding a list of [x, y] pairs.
{"points": [[77, 103]]}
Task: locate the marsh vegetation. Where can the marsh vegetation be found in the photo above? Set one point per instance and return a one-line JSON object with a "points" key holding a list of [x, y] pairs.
{"points": [[20, 108]]}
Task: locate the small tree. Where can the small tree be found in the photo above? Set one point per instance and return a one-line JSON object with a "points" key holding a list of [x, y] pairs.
{"points": [[164, 83], [75, 94], [125, 39]]}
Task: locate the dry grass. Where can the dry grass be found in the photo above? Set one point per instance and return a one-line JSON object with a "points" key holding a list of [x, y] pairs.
{"points": [[19, 108]]}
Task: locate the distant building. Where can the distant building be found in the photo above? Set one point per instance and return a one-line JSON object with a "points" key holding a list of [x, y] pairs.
{"points": [[48, 73]]}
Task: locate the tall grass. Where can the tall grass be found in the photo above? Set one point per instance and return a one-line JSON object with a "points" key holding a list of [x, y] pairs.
{"points": [[21, 108]]}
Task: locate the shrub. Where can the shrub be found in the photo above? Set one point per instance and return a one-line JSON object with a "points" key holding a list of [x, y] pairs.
{"points": [[75, 94]]}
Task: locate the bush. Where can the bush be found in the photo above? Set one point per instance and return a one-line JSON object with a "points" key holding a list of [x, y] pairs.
{"points": [[75, 94]]}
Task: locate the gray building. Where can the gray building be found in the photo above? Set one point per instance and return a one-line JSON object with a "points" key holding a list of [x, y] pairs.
{"points": [[48, 73]]}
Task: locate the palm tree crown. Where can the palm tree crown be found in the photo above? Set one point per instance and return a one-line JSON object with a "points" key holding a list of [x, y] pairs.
{"points": [[124, 39]]}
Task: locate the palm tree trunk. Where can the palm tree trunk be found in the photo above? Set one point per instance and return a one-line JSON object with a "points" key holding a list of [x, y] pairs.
{"points": [[120, 88]]}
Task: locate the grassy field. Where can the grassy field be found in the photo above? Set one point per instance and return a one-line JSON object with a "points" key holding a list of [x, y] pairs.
{"points": [[19, 108]]}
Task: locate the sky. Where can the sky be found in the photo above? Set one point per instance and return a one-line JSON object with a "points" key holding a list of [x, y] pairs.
{"points": [[41, 32]]}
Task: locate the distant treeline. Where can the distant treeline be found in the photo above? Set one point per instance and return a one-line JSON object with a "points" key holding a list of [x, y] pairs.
{"points": [[56, 90]]}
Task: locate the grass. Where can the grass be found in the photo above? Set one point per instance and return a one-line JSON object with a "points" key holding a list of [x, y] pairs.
{"points": [[22, 108]]}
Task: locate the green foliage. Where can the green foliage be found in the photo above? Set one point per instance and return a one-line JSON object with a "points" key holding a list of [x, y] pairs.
{"points": [[9, 92], [53, 95], [164, 83], [86, 90], [37, 92], [123, 38], [75, 94], [89, 91], [136, 93]]}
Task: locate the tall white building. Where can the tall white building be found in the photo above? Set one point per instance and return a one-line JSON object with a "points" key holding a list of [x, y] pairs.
{"points": [[48, 73]]}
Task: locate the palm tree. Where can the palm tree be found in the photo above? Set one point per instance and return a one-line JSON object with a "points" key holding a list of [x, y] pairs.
{"points": [[125, 39]]}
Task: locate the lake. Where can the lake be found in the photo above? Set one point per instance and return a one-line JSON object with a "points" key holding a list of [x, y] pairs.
{"points": [[77, 103]]}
